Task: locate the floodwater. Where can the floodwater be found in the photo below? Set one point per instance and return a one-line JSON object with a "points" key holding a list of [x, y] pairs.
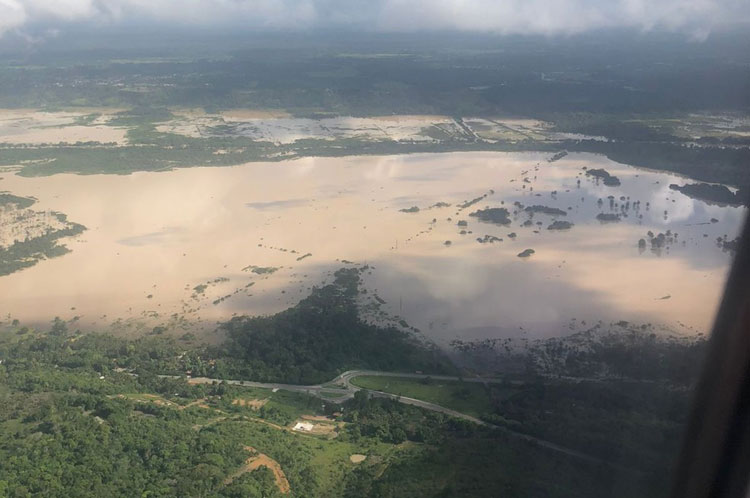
{"points": [[278, 128], [152, 238], [31, 127], [283, 129]]}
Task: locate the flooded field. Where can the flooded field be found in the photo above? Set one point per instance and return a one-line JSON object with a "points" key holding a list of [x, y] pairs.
{"points": [[279, 128], [32, 127], [190, 247]]}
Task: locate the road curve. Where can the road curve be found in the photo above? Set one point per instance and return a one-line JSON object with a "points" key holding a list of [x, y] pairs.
{"points": [[342, 384]]}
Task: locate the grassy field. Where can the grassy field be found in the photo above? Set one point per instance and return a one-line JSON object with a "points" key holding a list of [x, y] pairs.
{"points": [[466, 397], [333, 395]]}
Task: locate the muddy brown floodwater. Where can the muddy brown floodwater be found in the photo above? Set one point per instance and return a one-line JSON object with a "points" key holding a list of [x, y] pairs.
{"points": [[181, 246]]}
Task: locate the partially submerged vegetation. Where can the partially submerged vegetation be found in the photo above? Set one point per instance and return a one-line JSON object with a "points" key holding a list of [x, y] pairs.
{"points": [[413, 209], [489, 238], [552, 211], [558, 156], [150, 150], [470, 203], [560, 225], [718, 194], [607, 179], [9, 200], [729, 246], [499, 216], [30, 236], [261, 270], [608, 217]]}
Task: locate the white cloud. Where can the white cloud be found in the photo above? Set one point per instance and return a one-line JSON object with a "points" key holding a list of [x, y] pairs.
{"points": [[12, 14], [500, 16], [560, 16]]}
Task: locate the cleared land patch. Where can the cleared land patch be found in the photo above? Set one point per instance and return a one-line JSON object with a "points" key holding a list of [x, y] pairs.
{"points": [[317, 426], [255, 404]]}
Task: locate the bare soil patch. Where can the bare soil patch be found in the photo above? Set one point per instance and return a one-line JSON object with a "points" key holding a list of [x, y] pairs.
{"points": [[255, 404], [324, 426]]}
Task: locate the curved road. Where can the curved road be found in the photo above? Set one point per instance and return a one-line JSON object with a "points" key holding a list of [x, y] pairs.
{"points": [[341, 389], [342, 384]]}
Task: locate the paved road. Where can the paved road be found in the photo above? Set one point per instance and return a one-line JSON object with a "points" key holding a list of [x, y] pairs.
{"points": [[342, 385], [346, 377], [315, 390], [341, 389], [347, 389]]}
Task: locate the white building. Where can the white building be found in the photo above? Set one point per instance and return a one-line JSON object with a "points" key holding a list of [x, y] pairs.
{"points": [[303, 427]]}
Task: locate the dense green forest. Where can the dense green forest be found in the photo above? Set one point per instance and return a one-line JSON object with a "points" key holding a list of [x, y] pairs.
{"points": [[93, 415], [74, 424], [321, 336]]}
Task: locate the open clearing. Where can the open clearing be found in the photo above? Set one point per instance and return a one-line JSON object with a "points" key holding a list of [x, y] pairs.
{"points": [[317, 426], [159, 401], [255, 404]]}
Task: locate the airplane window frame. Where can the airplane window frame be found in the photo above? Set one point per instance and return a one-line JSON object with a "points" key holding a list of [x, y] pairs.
{"points": [[715, 458]]}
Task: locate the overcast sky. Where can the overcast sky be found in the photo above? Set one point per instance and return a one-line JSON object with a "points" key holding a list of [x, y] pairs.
{"points": [[695, 18]]}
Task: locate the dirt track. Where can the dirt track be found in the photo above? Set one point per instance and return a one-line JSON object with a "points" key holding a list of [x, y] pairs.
{"points": [[262, 460]]}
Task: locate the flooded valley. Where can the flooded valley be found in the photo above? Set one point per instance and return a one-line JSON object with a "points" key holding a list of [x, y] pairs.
{"points": [[187, 248]]}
